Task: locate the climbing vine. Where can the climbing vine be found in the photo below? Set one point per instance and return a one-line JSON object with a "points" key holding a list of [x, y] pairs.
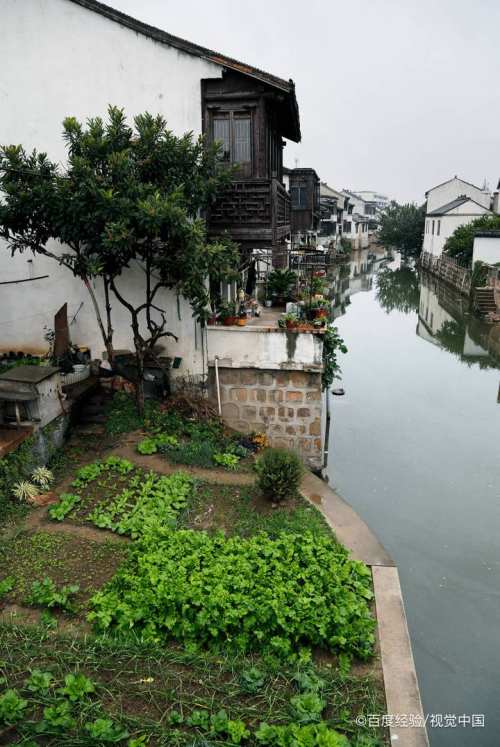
{"points": [[332, 345]]}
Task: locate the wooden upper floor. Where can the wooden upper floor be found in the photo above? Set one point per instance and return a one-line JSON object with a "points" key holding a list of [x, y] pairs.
{"points": [[251, 118]]}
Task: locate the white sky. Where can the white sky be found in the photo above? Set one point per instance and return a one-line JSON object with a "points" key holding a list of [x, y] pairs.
{"points": [[394, 95]]}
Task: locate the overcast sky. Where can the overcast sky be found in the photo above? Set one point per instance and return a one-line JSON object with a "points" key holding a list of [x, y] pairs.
{"points": [[394, 95]]}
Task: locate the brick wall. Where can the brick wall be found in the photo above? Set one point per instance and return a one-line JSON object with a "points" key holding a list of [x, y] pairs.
{"points": [[286, 405]]}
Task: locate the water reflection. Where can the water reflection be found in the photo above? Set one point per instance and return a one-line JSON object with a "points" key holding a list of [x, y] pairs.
{"points": [[414, 448], [445, 319]]}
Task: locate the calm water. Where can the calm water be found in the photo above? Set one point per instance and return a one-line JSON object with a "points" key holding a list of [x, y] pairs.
{"points": [[415, 448]]}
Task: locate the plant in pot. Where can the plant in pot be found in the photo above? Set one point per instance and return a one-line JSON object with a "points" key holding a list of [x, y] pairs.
{"points": [[319, 308], [227, 313], [280, 283], [242, 316], [289, 321]]}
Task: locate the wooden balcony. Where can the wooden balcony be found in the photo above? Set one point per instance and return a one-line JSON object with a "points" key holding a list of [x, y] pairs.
{"points": [[255, 212]]}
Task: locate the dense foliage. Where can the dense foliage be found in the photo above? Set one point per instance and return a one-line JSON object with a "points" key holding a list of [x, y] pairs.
{"points": [[402, 227], [129, 195], [13, 467], [282, 595], [279, 473], [461, 242]]}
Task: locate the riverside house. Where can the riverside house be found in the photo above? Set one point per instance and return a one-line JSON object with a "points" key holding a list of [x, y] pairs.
{"points": [[452, 204], [75, 57]]}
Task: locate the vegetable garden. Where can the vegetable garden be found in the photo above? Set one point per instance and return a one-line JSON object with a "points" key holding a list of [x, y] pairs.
{"points": [[187, 612]]}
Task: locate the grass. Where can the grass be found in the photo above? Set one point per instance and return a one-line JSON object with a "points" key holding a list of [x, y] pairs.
{"points": [[139, 686], [240, 509]]}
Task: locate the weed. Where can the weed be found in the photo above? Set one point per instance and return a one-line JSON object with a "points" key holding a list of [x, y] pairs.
{"points": [[45, 594]]}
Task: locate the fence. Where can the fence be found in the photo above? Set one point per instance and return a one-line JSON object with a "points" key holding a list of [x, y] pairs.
{"points": [[448, 270]]}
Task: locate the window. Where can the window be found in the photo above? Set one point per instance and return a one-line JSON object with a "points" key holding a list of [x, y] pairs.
{"points": [[299, 197], [433, 228], [438, 227], [347, 226], [234, 132]]}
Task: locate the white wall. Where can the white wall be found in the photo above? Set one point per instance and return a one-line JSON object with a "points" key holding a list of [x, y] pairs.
{"points": [[59, 59], [447, 224], [260, 347], [486, 249], [445, 193]]}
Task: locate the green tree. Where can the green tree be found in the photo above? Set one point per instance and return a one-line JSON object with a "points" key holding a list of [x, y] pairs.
{"points": [[130, 195], [461, 242], [402, 227]]}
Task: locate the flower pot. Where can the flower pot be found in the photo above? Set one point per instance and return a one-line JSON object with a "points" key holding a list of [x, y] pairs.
{"points": [[211, 322], [229, 321], [320, 313], [242, 321], [291, 325]]}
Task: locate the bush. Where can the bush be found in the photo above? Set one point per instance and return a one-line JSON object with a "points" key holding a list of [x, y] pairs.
{"points": [[279, 473], [283, 596]]}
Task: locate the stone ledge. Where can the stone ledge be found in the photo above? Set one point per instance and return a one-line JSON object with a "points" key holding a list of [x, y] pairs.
{"points": [[400, 677]]}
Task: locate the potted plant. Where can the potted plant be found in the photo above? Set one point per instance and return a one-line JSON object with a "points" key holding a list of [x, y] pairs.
{"points": [[319, 308], [227, 314], [289, 321], [242, 317], [280, 283]]}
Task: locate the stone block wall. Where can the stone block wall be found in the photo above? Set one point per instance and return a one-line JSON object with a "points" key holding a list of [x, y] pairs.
{"points": [[284, 404]]}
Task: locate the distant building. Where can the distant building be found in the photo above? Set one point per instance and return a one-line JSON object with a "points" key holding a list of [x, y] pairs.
{"points": [[332, 206], [304, 188], [374, 199], [449, 205]]}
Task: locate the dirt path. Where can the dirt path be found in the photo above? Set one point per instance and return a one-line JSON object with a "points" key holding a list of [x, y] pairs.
{"points": [[159, 464], [38, 521]]}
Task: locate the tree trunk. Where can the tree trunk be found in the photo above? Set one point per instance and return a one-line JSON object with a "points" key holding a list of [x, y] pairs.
{"points": [[107, 338], [139, 387]]}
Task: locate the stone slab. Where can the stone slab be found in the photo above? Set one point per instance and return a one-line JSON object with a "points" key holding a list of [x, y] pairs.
{"points": [[350, 529], [401, 685]]}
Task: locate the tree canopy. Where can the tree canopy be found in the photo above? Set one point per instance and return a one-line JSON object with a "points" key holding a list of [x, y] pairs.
{"points": [[402, 227], [461, 242], [129, 195]]}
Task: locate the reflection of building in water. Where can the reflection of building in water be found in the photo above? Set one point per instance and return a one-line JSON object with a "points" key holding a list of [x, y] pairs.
{"points": [[354, 276], [444, 319]]}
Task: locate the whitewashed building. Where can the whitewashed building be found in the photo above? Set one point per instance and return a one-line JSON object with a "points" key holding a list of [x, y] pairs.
{"points": [[450, 205], [65, 58]]}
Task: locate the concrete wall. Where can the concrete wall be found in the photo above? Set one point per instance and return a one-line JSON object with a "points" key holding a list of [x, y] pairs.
{"points": [[445, 193], [59, 59], [486, 249], [270, 381]]}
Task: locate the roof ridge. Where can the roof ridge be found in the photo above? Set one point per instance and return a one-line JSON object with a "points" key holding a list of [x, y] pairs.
{"points": [[189, 47]]}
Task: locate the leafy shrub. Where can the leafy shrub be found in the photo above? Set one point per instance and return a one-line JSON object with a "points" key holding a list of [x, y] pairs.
{"points": [[46, 594], [279, 473], [196, 453], [25, 491], [77, 687], [105, 730], [152, 444], [227, 460], [12, 707], [67, 501], [307, 708], [267, 594], [56, 718], [252, 680], [39, 682], [294, 735], [6, 585], [43, 477], [122, 415]]}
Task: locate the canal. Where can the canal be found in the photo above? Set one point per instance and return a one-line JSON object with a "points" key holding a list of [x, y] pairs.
{"points": [[414, 447]]}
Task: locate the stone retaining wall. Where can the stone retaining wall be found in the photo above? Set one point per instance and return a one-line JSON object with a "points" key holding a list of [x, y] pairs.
{"points": [[285, 404]]}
